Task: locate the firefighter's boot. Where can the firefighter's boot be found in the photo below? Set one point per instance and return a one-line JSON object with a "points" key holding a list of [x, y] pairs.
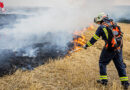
{"points": [[125, 84], [103, 81]]}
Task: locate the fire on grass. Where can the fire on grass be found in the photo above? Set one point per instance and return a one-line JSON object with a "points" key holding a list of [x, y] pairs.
{"points": [[79, 39], [19, 60]]}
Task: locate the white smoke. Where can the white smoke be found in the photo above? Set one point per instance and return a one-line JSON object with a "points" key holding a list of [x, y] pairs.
{"points": [[61, 19], [57, 3]]}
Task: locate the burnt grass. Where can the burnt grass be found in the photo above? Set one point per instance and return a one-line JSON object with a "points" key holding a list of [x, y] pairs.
{"points": [[10, 60], [124, 20], [8, 20]]}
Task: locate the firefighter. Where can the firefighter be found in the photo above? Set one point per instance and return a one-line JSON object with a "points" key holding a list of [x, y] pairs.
{"points": [[2, 6], [112, 35]]}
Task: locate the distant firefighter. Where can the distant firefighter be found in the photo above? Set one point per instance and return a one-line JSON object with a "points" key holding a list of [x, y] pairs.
{"points": [[2, 6], [112, 35]]}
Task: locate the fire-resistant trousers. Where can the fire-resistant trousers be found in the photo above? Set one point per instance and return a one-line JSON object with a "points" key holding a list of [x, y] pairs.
{"points": [[116, 56]]}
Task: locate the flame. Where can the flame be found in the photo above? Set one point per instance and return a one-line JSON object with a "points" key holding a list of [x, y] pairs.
{"points": [[91, 27], [80, 39]]}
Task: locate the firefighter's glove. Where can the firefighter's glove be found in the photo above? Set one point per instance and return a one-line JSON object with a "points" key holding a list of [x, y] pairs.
{"points": [[85, 46]]}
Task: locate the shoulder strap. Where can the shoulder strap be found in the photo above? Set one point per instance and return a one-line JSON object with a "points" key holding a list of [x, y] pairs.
{"points": [[111, 23]]}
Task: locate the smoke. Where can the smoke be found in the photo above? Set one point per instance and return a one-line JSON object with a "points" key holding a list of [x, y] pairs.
{"points": [[120, 13], [54, 25], [55, 3], [33, 30]]}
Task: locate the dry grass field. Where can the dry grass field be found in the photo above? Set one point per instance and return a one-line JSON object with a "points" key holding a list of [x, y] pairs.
{"points": [[77, 72]]}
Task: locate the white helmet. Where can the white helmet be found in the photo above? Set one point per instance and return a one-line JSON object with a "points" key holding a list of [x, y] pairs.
{"points": [[100, 17]]}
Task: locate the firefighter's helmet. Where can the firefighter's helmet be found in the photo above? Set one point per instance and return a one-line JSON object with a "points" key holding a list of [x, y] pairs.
{"points": [[100, 17]]}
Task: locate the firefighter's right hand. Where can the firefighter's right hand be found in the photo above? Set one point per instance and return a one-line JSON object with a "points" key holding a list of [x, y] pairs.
{"points": [[85, 46]]}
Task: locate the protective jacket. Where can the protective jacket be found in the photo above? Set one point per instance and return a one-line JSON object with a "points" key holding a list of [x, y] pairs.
{"points": [[111, 34]]}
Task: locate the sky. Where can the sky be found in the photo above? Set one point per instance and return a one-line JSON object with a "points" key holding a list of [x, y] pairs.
{"points": [[51, 3]]}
